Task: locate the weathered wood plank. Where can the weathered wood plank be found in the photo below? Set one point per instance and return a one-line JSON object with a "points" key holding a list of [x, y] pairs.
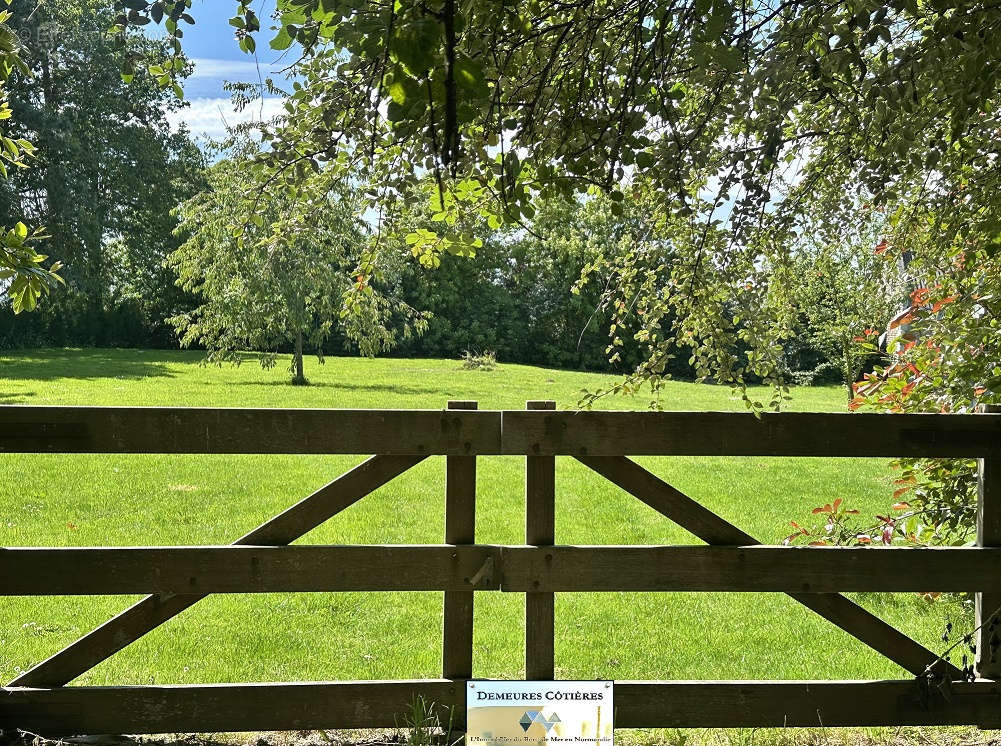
{"points": [[540, 529], [748, 569], [152, 611], [460, 528], [686, 512], [739, 434], [29, 429], [302, 569], [638, 704], [988, 605], [244, 569], [74, 710], [780, 704]]}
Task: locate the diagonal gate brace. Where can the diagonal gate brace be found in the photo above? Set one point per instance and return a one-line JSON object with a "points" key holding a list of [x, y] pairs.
{"points": [[146, 615], [696, 518]]}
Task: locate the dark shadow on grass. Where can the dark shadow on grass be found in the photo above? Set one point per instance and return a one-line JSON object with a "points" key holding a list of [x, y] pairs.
{"points": [[19, 398], [48, 365], [384, 387]]}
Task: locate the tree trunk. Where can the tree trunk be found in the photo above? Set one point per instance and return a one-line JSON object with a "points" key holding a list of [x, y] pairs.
{"points": [[298, 378], [849, 374]]}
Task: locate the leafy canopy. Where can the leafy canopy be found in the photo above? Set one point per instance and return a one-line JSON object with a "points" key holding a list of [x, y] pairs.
{"points": [[745, 116], [23, 273], [108, 168], [281, 281]]}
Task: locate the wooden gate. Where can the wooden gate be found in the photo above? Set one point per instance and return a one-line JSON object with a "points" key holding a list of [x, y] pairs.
{"points": [[938, 693]]}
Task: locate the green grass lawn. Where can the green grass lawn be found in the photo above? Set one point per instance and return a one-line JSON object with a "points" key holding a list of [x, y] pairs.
{"points": [[88, 500]]}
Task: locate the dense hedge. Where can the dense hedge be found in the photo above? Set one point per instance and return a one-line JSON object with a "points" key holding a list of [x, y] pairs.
{"points": [[518, 306]]}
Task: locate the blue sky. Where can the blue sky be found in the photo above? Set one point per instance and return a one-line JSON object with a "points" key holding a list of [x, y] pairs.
{"points": [[217, 58]]}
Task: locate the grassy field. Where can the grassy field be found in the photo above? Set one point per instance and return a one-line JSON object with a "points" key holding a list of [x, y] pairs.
{"points": [[174, 500]]}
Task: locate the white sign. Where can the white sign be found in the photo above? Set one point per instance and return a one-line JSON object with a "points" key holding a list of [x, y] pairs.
{"points": [[534, 712]]}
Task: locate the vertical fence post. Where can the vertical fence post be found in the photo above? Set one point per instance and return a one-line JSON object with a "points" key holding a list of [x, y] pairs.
{"points": [[460, 528], [988, 617], [540, 530]]}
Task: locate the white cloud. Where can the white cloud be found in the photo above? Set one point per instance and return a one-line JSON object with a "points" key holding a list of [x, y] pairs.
{"points": [[209, 117], [237, 70], [209, 75]]}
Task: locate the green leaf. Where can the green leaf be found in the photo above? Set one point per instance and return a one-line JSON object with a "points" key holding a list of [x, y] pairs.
{"points": [[282, 40], [469, 75], [417, 45], [397, 92]]}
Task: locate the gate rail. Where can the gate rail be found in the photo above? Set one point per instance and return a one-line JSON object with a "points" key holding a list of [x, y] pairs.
{"points": [[262, 562]]}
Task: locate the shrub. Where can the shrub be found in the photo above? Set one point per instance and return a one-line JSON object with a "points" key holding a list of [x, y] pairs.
{"points": [[486, 360]]}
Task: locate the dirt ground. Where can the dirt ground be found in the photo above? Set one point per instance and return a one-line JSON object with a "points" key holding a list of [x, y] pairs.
{"points": [[714, 737]]}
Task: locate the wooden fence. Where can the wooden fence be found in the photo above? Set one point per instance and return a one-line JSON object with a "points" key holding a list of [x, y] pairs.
{"points": [[937, 693]]}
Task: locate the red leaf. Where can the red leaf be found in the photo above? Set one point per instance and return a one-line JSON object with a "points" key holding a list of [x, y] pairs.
{"points": [[837, 504], [944, 302], [881, 248], [903, 320], [901, 491], [901, 506], [820, 543]]}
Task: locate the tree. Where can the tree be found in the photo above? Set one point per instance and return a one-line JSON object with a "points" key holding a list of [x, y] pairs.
{"points": [[108, 169], [515, 296], [22, 268], [946, 360], [746, 116], [847, 296], [272, 285]]}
